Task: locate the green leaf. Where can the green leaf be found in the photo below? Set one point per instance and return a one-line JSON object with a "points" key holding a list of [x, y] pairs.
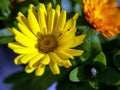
{"points": [[110, 77], [100, 62], [66, 84], [74, 75], [13, 78], [23, 81], [100, 58], [5, 36], [91, 45], [79, 3], [93, 84], [5, 7], [77, 74], [108, 87], [116, 60], [5, 40]]}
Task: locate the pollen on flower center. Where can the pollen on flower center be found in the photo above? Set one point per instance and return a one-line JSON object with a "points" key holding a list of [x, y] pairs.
{"points": [[47, 43]]}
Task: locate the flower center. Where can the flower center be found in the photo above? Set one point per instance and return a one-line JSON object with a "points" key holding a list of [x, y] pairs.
{"points": [[47, 43]]}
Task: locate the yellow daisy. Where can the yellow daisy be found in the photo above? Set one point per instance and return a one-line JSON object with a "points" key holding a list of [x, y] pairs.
{"points": [[104, 15], [45, 38]]}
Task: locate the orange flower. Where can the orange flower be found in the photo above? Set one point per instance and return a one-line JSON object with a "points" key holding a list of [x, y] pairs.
{"points": [[104, 15], [18, 1]]}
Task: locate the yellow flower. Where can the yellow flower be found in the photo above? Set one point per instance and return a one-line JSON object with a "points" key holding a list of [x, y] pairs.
{"points": [[104, 15], [45, 39]]}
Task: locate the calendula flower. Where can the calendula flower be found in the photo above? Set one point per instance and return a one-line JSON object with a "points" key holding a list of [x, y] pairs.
{"points": [[45, 38], [104, 15], [18, 1]]}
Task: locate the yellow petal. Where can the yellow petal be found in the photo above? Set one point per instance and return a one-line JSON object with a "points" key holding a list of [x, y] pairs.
{"points": [[63, 54], [54, 68], [50, 20], [33, 23], [17, 59], [79, 40], [33, 9], [42, 6], [69, 29], [26, 31], [36, 59], [26, 58], [29, 70], [14, 45], [61, 20], [66, 40], [22, 39], [24, 25], [11, 31], [40, 70], [55, 58], [68, 25], [67, 36], [25, 42], [57, 14], [49, 6], [66, 63], [22, 19], [57, 10], [75, 17], [42, 20], [45, 60], [60, 23], [74, 52], [25, 50]]}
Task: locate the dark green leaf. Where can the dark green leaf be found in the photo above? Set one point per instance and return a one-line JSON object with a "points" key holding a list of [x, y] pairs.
{"points": [[23, 81], [110, 77], [116, 59], [108, 87], [100, 62], [66, 84], [91, 45]]}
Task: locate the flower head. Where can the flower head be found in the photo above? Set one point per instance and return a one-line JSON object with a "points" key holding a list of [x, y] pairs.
{"points": [[18, 1], [104, 15], [45, 38]]}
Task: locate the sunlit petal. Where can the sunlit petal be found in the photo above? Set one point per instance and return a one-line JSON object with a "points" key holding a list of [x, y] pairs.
{"points": [[40, 70], [54, 68], [35, 59]]}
